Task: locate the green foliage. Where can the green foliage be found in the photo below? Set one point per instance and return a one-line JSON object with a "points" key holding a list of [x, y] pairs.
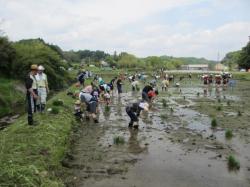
{"points": [[58, 102], [219, 108], [214, 123], [164, 102], [232, 163], [7, 56], [229, 134], [118, 140], [128, 61], [232, 59], [244, 59], [30, 156], [37, 52], [107, 108], [55, 110], [11, 99]]}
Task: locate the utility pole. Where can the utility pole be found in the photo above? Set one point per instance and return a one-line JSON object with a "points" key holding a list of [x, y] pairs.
{"points": [[218, 57]]}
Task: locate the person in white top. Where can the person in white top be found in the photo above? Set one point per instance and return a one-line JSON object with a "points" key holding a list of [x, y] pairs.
{"points": [[42, 88]]}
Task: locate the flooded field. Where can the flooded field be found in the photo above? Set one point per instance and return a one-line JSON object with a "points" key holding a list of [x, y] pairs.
{"points": [[174, 146]]}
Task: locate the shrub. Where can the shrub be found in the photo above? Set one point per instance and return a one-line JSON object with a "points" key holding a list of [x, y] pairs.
{"points": [[58, 102], [232, 163], [164, 102], [55, 110], [107, 108], [219, 108], [118, 140], [229, 133], [214, 123]]}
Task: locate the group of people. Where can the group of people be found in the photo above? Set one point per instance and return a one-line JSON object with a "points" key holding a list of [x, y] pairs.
{"points": [[219, 80], [100, 92], [37, 89]]}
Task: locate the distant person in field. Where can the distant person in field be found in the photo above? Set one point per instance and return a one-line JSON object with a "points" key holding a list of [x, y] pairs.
{"points": [[43, 88], [210, 79], [218, 80], [205, 83], [135, 85], [81, 77], [148, 93], [31, 93], [165, 84], [119, 86], [134, 110]]}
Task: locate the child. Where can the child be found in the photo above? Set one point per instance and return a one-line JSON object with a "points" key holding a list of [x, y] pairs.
{"points": [[107, 97], [119, 86], [78, 111], [134, 111]]}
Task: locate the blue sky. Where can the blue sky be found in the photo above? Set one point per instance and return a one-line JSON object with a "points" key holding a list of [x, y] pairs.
{"points": [[200, 28]]}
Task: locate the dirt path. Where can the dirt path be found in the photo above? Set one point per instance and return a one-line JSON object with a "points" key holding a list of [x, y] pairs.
{"points": [[174, 146]]}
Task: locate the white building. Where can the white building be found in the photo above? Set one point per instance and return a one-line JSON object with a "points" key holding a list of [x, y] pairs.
{"points": [[203, 67]]}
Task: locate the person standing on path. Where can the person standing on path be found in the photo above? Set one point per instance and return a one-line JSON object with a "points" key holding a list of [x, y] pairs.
{"points": [[42, 88], [31, 94]]}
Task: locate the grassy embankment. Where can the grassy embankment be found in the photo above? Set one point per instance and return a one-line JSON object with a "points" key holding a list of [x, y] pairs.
{"points": [[31, 155]]}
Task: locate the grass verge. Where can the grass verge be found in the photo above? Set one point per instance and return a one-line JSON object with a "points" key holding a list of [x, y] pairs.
{"points": [[31, 155]]}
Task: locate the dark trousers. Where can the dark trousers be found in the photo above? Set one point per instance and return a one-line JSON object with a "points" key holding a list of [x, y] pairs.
{"points": [[132, 115], [30, 108], [34, 100]]}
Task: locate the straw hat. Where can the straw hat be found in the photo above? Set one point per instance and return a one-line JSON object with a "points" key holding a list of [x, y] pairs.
{"points": [[33, 67]]}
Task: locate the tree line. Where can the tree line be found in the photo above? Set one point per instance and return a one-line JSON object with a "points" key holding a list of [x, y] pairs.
{"points": [[238, 59]]}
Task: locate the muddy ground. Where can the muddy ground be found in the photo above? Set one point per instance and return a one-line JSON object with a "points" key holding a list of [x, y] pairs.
{"points": [[174, 146]]}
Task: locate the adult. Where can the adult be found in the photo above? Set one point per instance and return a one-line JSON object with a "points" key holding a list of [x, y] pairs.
{"points": [[148, 93], [91, 105], [165, 84], [31, 93], [81, 77], [42, 88], [134, 110], [135, 85]]}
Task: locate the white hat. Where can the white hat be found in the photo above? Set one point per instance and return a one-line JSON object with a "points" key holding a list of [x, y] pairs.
{"points": [[41, 68]]}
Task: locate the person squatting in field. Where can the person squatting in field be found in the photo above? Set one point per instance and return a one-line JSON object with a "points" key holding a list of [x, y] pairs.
{"points": [[91, 105], [149, 94], [133, 111]]}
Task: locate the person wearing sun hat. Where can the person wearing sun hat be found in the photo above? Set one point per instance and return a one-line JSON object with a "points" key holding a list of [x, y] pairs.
{"points": [[31, 92], [42, 88], [133, 111]]}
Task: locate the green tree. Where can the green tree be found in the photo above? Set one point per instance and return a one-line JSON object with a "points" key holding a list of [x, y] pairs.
{"points": [[7, 56], [36, 52], [244, 59]]}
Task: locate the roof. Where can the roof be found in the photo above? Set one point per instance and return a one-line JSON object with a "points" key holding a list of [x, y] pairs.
{"points": [[197, 65]]}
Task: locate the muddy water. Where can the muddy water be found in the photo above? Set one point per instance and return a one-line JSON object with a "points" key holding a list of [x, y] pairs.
{"points": [[174, 146]]}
